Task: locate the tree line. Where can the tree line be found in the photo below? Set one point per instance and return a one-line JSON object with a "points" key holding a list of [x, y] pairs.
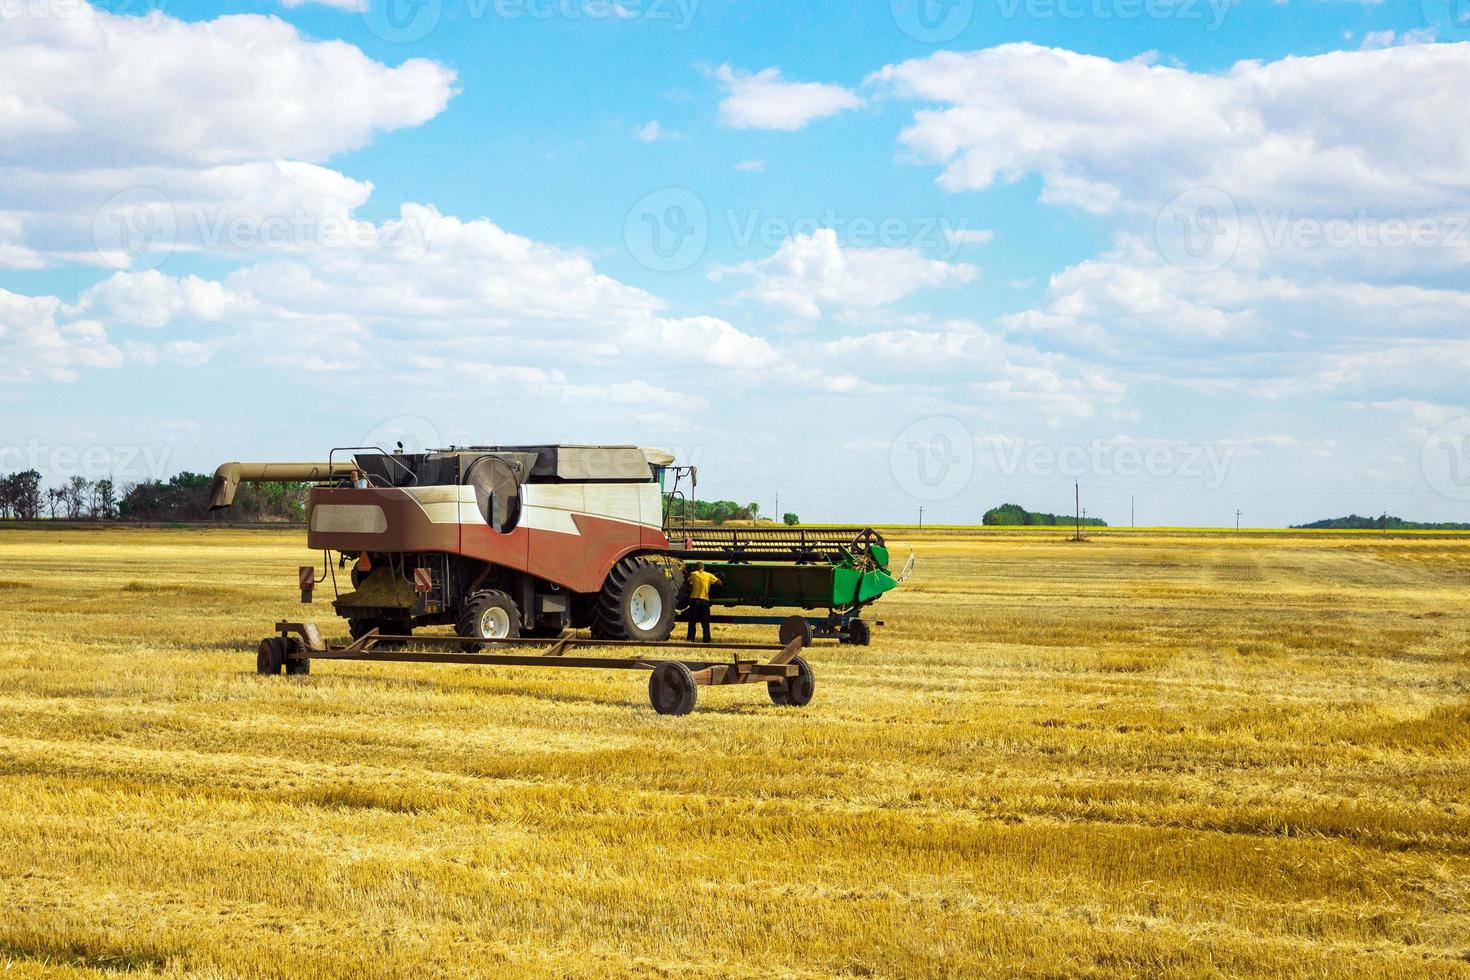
{"points": [[184, 497], [722, 512], [1014, 515]]}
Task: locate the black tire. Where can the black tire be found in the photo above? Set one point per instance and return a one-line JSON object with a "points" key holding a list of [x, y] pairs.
{"points": [[270, 658], [671, 689], [631, 586], [794, 692], [358, 628], [475, 618], [297, 663], [796, 626], [542, 632], [584, 611], [859, 633]]}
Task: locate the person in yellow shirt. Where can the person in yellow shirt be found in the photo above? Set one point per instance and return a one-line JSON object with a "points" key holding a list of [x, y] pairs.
{"points": [[700, 583]]}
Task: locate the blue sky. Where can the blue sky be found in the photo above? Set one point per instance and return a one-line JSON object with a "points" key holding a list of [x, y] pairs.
{"points": [[1200, 256]]}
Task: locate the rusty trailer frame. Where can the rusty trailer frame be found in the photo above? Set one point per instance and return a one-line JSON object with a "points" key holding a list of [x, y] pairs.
{"points": [[673, 685]]}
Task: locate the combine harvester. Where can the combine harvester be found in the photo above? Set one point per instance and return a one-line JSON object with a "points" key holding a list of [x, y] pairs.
{"points": [[516, 547]]}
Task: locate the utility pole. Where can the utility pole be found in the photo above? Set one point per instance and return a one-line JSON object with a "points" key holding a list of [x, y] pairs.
{"points": [[1237, 522], [777, 516], [921, 518], [1077, 488]]}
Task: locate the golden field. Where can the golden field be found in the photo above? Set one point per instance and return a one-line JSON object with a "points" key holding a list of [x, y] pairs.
{"points": [[1143, 755]]}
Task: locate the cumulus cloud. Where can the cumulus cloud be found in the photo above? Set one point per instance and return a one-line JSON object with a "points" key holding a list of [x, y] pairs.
{"points": [[101, 89], [811, 274], [767, 101], [1367, 127], [37, 346], [991, 370], [1279, 227], [206, 123], [469, 292]]}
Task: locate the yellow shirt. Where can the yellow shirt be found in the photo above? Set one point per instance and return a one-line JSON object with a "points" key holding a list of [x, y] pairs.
{"points": [[699, 584]]}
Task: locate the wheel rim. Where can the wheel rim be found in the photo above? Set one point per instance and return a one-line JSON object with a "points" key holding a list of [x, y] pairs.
{"points": [[646, 607], [494, 623]]}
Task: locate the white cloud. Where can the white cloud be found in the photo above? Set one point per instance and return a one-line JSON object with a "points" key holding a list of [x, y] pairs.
{"points": [[36, 346], [351, 6], [1367, 128], [751, 166], [650, 132], [212, 122], [970, 236], [990, 370], [1388, 39], [1342, 192], [469, 293], [766, 101], [810, 274], [119, 91]]}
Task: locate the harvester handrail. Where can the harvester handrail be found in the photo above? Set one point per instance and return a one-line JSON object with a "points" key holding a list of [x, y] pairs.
{"points": [[332, 457]]}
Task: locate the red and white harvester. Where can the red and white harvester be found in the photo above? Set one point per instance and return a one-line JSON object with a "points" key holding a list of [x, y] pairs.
{"points": [[517, 544]]}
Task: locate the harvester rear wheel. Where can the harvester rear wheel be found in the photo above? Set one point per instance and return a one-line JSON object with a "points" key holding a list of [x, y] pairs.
{"points": [[671, 689], [859, 633], [489, 616], [794, 692], [637, 603], [270, 658]]}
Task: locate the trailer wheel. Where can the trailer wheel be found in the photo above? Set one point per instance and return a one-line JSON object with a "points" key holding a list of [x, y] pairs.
{"points": [[637, 603], [859, 633], [671, 689], [794, 692], [270, 658], [297, 663], [489, 616], [794, 627]]}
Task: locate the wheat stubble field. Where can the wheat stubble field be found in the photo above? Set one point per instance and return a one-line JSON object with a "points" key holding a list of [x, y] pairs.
{"points": [[1144, 755]]}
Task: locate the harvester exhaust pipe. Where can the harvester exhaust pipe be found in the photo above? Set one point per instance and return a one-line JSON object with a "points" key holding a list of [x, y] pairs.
{"points": [[227, 478]]}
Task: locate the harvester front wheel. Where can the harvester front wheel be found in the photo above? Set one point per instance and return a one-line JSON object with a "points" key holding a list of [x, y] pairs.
{"points": [[637, 603], [672, 690], [794, 692], [859, 633], [489, 616]]}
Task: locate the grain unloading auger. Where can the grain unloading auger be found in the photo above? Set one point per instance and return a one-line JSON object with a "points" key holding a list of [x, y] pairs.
{"points": [[517, 546]]}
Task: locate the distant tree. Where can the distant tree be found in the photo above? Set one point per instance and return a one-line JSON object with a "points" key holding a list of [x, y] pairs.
{"points": [[78, 493], [791, 520], [7, 506], [26, 489], [56, 500], [104, 499]]}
